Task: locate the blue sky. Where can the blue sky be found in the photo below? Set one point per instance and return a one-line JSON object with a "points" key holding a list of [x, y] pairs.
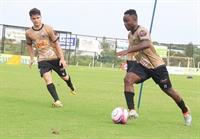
{"points": [[175, 21]]}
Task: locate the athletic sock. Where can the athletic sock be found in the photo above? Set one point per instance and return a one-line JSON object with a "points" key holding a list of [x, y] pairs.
{"points": [[69, 83], [52, 90], [129, 96], [182, 106]]}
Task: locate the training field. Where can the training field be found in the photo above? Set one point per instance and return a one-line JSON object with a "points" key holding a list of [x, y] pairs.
{"points": [[26, 112]]}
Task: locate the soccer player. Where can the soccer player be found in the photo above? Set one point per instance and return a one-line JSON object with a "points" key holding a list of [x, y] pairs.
{"points": [[49, 54], [150, 65]]}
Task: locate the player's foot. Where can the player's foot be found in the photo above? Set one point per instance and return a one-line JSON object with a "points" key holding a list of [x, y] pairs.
{"points": [[187, 117], [57, 104], [132, 114], [73, 91]]}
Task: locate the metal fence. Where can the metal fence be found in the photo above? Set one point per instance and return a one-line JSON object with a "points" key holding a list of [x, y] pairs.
{"points": [[13, 42]]}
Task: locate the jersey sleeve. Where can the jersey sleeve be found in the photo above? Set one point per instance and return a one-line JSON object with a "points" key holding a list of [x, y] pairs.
{"points": [[52, 34], [143, 34], [28, 40]]}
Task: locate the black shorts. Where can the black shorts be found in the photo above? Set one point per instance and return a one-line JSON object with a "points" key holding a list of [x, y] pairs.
{"points": [[46, 66], [130, 64], [159, 75]]}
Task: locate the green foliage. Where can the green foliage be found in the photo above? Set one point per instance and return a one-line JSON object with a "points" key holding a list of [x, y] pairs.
{"points": [[82, 60], [196, 51], [155, 43], [106, 61], [173, 46], [189, 50], [26, 111], [197, 60], [104, 44], [107, 56]]}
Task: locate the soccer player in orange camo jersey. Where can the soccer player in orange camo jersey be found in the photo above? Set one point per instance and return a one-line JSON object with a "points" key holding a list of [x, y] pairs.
{"points": [[49, 54], [149, 65]]}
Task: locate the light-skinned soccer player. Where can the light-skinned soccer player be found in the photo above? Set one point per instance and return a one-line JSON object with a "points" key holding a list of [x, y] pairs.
{"points": [[49, 54]]}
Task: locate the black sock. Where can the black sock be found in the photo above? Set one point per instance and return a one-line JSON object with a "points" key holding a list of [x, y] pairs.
{"points": [[69, 83], [181, 105], [129, 99], [52, 90]]}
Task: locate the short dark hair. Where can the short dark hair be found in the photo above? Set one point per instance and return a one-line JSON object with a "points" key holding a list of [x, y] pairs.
{"points": [[34, 11], [131, 12]]}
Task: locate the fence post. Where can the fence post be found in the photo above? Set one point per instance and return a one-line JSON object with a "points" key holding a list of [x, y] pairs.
{"points": [[3, 40]]}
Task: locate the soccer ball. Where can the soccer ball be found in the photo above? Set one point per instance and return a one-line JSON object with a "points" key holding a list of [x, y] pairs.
{"points": [[119, 115]]}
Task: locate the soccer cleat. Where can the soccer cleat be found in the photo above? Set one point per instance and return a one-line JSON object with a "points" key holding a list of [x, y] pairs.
{"points": [[187, 117], [132, 114], [73, 91], [57, 104]]}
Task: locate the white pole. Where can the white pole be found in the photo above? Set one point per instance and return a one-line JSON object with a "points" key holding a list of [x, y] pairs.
{"points": [[198, 64], [168, 58], [113, 65], [101, 65], [179, 64], [93, 59]]}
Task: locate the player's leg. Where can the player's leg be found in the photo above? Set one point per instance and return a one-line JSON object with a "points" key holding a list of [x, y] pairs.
{"points": [[51, 88], [181, 104], [161, 77], [135, 74], [45, 72], [67, 79], [129, 85], [63, 74], [129, 93]]}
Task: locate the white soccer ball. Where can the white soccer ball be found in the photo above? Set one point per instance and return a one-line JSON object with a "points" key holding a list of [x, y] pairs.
{"points": [[119, 115]]}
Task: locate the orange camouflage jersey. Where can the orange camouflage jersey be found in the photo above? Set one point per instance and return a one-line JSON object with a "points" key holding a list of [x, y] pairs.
{"points": [[148, 57], [43, 40]]}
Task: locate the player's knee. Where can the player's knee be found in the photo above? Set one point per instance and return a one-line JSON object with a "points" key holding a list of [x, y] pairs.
{"points": [[128, 81], [65, 77]]}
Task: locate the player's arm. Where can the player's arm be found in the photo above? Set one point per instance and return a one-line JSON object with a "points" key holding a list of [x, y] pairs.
{"points": [[31, 53], [144, 44], [60, 54], [30, 49], [144, 37]]}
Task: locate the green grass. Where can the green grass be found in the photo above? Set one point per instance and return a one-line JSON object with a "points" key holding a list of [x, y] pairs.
{"points": [[26, 112]]}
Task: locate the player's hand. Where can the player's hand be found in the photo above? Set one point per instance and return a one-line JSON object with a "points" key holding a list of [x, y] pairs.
{"points": [[121, 53], [31, 63], [63, 62]]}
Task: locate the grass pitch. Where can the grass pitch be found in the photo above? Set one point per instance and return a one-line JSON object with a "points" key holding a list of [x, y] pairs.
{"points": [[26, 112]]}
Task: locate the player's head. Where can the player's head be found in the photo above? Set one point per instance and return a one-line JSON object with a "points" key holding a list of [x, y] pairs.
{"points": [[35, 16], [130, 19]]}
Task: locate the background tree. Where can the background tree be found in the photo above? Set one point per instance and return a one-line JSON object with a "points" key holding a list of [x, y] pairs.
{"points": [[104, 44], [189, 50], [107, 55], [197, 60], [196, 51], [156, 43]]}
